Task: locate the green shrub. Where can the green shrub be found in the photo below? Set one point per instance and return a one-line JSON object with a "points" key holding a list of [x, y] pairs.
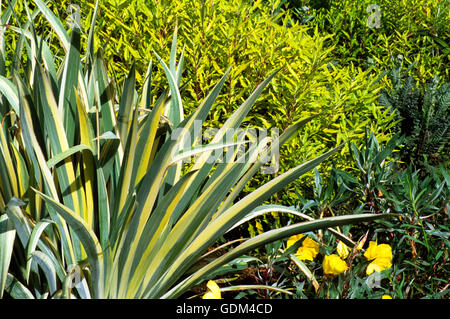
{"points": [[94, 180], [254, 39], [418, 232], [416, 29], [424, 117]]}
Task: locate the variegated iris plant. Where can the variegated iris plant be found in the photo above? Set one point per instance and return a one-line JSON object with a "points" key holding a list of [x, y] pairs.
{"points": [[100, 185]]}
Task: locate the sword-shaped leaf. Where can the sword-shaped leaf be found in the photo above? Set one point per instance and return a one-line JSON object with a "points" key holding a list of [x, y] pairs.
{"points": [[267, 237], [7, 236]]}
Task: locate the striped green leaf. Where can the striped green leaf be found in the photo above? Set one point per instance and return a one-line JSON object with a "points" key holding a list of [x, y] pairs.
{"points": [[87, 238], [7, 236], [47, 267], [267, 237], [16, 289]]}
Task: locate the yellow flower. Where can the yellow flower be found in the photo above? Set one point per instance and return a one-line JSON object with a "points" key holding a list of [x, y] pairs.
{"points": [[379, 264], [307, 251], [377, 251], [386, 297], [381, 256], [334, 265], [342, 249], [304, 253], [371, 250], [310, 243], [213, 291]]}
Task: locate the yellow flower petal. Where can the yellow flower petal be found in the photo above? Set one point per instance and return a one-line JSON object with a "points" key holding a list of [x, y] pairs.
{"points": [[384, 263], [343, 250], [381, 256], [371, 251], [378, 251], [384, 251], [305, 253], [372, 268], [379, 264], [213, 291], [386, 297], [334, 265], [310, 243]]}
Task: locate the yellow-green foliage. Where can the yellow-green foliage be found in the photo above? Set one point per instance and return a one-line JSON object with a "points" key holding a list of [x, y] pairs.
{"points": [[255, 40], [416, 29]]}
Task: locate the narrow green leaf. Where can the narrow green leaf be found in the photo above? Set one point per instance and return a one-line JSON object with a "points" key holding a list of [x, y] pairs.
{"points": [[261, 210], [9, 90], [66, 154], [175, 113], [256, 287], [301, 265], [7, 236], [33, 241], [87, 238], [69, 82], [267, 237], [20, 222], [16, 289], [103, 209], [55, 23], [124, 116], [109, 148], [90, 44], [180, 68], [187, 153], [233, 214], [147, 140], [146, 98], [126, 185], [48, 268], [105, 99]]}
